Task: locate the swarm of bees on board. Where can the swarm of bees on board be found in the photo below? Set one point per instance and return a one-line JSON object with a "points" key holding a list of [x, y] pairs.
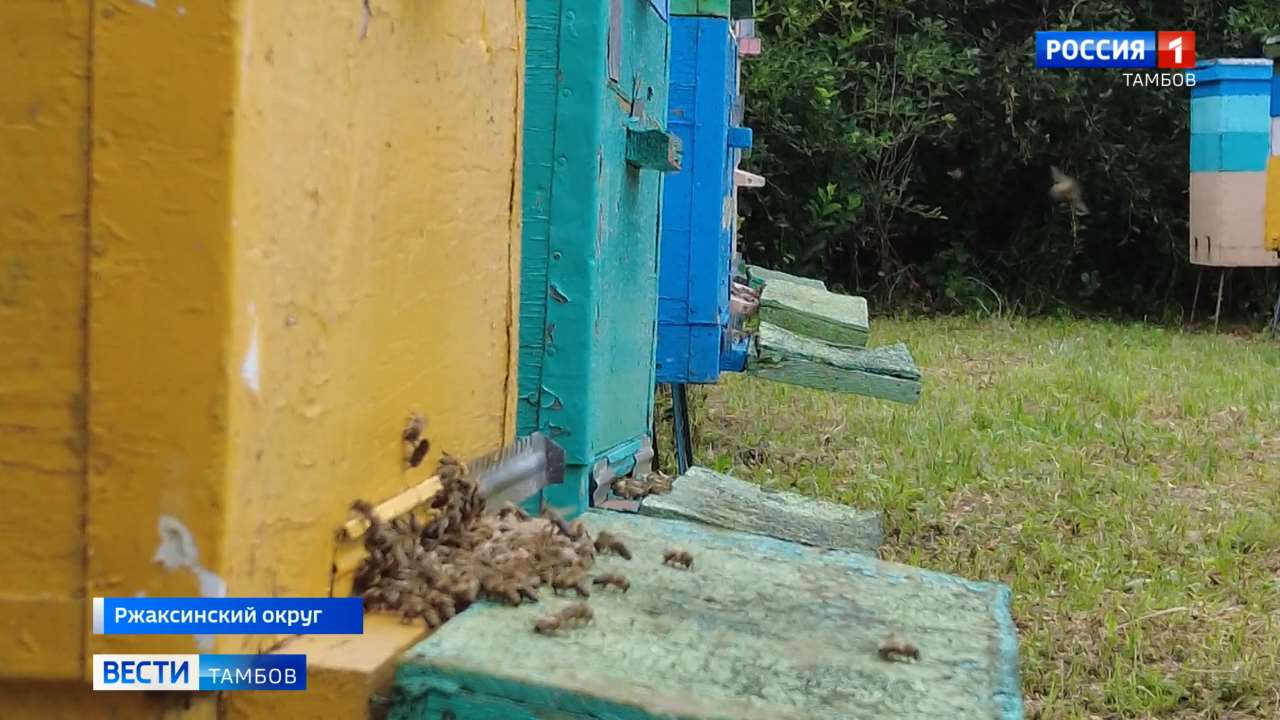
{"points": [[434, 569]]}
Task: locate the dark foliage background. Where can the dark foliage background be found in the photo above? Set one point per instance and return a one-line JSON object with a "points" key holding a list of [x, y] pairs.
{"points": [[907, 146]]}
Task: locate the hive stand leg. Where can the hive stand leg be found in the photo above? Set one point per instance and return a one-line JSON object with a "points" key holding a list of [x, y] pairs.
{"points": [[680, 427], [1275, 316], [1217, 311], [1195, 298]]}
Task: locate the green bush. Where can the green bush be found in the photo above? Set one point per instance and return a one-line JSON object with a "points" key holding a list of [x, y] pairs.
{"points": [[907, 147]]}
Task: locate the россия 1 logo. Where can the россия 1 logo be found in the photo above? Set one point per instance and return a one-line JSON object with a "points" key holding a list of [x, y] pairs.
{"points": [[1119, 49]]}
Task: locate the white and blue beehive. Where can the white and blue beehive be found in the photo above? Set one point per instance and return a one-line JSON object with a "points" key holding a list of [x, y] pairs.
{"points": [[1231, 145]]}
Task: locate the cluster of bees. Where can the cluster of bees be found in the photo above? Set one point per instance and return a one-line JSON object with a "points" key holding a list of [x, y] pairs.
{"points": [[432, 570], [634, 488]]}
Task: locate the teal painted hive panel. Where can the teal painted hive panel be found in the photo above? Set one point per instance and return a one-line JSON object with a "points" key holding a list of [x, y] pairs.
{"points": [[1230, 152], [757, 629], [596, 71], [1231, 113]]}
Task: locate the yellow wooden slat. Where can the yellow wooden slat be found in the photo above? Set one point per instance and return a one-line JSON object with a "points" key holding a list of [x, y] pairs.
{"points": [[44, 102], [1273, 204]]}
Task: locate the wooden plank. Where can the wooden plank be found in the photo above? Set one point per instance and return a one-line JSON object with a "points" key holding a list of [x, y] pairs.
{"points": [[654, 149], [768, 275], [715, 499], [830, 317], [709, 8], [757, 629], [887, 372]]}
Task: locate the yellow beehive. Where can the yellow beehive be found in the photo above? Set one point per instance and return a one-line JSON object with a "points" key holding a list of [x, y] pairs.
{"points": [[240, 242]]}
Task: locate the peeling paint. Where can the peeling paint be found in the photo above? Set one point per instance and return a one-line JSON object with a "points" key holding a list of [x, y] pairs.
{"points": [[250, 369], [178, 551], [149, 3]]}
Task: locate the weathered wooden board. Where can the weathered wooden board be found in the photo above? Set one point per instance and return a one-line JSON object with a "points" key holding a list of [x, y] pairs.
{"points": [[830, 317], [759, 629], [885, 372], [712, 498], [767, 275]]}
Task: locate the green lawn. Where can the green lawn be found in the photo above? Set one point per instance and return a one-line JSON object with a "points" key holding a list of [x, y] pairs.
{"points": [[1123, 479]]}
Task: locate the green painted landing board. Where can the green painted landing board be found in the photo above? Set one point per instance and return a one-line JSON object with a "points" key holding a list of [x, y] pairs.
{"points": [[830, 317], [759, 629], [886, 372], [710, 8], [711, 498], [769, 276]]}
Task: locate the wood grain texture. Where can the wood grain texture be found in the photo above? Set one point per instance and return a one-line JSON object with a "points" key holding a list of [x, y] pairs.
{"points": [[722, 501], [887, 372], [589, 254], [757, 629], [830, 317], [768, 275]]}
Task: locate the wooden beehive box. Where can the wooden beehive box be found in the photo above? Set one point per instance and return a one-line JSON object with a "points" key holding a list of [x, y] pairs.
{"points": [[698, 214], [758, 629], [1231, 144], [256, 240], [595, 150], [1273, 171]]}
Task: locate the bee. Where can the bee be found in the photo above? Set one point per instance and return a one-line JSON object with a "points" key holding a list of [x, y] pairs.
{"points": [[660, 484], [419, 452], [607, 542], [512, 509], [547, 624], [571, 581], [450, 469], [577, 612], [614, 580], [895, 649], [629, 488], [1066, 189], [558, 521], [675, 557], [413, 429]]}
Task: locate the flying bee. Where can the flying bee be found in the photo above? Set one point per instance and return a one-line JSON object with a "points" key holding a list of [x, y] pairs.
{"points": [[612, 580], [607, 542], [675, 557], [895, 649], [1067, 190]]}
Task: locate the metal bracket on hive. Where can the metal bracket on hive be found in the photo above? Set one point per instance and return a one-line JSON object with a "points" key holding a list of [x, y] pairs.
{"points": [[653, 148]]}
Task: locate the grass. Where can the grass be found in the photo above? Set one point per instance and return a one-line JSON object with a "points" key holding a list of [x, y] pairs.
{"points": [[1123, 479]]}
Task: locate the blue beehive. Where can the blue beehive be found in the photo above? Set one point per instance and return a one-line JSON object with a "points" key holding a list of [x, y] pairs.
{"points": [[595, 148], [699, 213], [1231, 115]]}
